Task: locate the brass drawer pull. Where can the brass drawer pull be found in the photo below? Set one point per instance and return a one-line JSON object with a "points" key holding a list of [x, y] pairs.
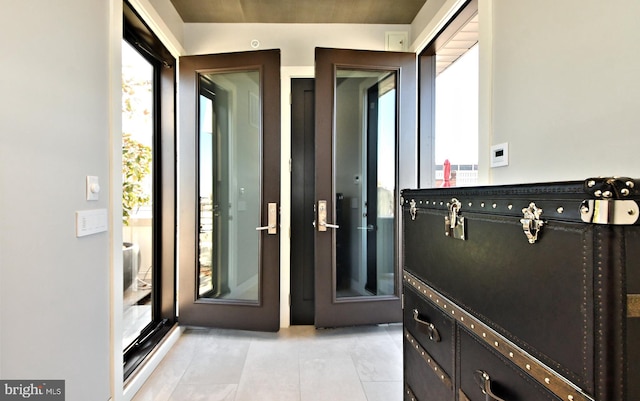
{"points": [[431, 329], [484, 381]]}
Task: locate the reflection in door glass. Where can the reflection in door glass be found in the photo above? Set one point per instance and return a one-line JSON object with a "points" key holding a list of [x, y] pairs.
{"points": [[137, 192], [229, 186], [365, 175]]}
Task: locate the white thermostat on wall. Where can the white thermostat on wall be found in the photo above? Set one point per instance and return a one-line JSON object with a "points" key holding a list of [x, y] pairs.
{"points": [[500, 155]]}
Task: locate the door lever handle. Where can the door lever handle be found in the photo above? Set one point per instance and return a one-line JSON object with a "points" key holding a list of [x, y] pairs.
{"points": [[272, 220], [322, 217], [324, 224], [369, 227]]}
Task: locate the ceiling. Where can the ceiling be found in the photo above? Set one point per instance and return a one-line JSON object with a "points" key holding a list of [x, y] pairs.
{"points": [[299, 11]]}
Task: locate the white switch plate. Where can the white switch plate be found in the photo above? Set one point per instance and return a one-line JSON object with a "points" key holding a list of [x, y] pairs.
{"points": [[93, 188], [500, 155], [91, 222]]}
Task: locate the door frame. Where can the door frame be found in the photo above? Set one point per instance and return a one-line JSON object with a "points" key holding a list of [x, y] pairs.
{"points": [[265, 315], [137, 33]]}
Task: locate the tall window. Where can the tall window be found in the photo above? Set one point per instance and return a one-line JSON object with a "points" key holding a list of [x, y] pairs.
{"points": [[148, 189], [137, 190], [449, 104]]}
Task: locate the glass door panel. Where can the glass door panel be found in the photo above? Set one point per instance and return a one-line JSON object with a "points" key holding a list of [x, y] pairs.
{"points": [[138, 118], [365, 165], [229, 186]]}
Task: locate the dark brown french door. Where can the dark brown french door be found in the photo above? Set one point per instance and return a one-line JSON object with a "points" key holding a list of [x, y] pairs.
{"points": [[229, 200], [365, 152]]}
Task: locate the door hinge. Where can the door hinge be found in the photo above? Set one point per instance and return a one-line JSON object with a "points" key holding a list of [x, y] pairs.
{"points": [[290, 165], [402, 298]]}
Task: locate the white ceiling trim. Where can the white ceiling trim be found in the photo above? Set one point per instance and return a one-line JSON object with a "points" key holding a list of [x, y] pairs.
{"points": [[151, 17], [435, 25]]}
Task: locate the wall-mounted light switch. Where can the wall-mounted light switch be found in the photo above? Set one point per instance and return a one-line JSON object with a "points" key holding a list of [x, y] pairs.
{"points": [[91, 222], [93, 188]]}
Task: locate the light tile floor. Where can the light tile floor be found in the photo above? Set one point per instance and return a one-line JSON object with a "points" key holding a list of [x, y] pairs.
{"points": [[299, 363]]}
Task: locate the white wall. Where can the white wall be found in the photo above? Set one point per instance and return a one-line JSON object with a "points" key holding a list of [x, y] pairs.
{"points": [[296, 41], [54, 130], [565, 89]]}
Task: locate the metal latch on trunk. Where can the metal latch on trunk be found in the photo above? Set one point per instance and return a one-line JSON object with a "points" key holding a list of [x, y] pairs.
{"points": [[453, 222], [531, 223], [413, 210]]}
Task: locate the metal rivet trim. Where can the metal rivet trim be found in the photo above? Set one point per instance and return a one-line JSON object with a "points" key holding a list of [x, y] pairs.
{"points": [[409, 393], [429, 360]]}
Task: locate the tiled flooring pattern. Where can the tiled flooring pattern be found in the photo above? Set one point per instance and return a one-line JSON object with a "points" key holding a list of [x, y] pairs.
{"points": [[299, 363]]}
